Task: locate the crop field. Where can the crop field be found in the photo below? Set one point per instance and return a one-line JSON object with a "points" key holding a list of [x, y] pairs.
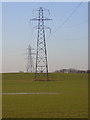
{"points": [[64, 96]]}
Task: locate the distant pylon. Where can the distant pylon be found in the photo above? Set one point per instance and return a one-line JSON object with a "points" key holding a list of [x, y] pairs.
{"points": [[41, 71], [30, 64]]}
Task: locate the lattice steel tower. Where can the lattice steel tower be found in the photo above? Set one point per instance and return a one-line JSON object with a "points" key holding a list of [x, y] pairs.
{"points": [[41, 72], [30, 64]]}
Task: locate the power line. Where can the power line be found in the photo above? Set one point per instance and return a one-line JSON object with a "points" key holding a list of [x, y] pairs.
{"points": [[66, 20], [52, 3], [83, 22], [49, 5]]}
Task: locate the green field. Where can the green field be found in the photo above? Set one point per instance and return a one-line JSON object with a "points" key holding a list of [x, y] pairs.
{"points": [[70, 102]]}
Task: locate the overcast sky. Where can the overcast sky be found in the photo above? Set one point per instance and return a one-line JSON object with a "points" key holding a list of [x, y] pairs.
{"points": [[67, 45]]}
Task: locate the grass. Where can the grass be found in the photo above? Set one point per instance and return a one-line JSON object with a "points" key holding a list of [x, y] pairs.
{"points": [[71, 102]]}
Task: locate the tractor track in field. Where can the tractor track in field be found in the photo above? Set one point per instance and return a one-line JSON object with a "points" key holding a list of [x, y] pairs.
{"points": [[26, 93]]}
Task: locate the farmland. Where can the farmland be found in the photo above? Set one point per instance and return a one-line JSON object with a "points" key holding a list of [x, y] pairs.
{"points": [[71, 100]]}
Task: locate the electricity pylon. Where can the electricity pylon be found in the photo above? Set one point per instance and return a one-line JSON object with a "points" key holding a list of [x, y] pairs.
{"points": [[41, 72], [30, 64]]}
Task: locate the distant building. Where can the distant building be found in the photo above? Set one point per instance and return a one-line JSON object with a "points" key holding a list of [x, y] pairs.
{"points": [[21, 71], [88, 71], [71, 70]]}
